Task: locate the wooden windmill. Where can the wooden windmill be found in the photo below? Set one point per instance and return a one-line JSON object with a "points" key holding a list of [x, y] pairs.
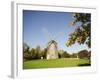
{"points": [[52, 49]]}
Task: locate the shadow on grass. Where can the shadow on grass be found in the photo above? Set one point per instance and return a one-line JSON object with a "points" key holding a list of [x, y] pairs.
{"points": [[87, 64]]}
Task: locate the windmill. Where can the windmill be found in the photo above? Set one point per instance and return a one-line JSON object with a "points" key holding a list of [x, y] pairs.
{"points": [[52, 48]]}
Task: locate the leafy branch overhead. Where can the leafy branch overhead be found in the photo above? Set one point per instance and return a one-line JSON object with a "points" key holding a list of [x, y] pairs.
{"points": [[82, 33]]}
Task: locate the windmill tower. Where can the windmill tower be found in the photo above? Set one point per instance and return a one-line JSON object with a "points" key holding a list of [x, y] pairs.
{"points": [[52, 49]]}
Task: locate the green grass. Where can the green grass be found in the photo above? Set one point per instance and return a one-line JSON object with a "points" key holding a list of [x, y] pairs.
{"points": [[55, 63]]}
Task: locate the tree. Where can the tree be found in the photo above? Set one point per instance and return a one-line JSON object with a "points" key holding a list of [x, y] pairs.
{"points": [[74, 55], [83, 54], [89, 55], [26, 52], [44, 53], [63, 54], [25, 48], [38, 52], [33, 54], [82, 33]]}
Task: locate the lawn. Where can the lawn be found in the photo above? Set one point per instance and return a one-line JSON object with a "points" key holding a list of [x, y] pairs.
{"points": [[55, 63]]}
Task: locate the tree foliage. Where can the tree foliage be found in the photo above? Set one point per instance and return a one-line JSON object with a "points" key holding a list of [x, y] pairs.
{"points": [[33, 53], [63, 54], [74, 55], [82, 33], [84, 54], [26, 52], [25, 48]]}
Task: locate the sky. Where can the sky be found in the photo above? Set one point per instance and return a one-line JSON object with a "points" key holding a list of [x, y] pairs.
{"points": [[39, 27]]}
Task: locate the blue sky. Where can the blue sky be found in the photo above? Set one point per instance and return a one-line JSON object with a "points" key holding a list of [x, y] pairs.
{"points": [[55, 23]]}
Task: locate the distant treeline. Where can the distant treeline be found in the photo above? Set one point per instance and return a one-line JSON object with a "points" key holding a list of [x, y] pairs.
{"points": [[38, 53]]}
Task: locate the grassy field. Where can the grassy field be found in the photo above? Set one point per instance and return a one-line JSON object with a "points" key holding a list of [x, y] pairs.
{"points": [[55, 63]]}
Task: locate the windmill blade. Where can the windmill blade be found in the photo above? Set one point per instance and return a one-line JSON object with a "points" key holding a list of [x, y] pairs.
{"points": [[47, 33], [60, 33]]}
